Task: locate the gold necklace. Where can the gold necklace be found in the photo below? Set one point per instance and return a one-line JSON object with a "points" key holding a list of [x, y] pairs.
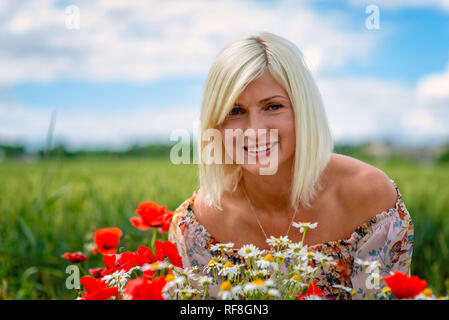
{"points": [[257, 218]]}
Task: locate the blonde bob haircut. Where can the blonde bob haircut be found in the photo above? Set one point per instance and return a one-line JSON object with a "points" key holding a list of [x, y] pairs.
{"points": [[239, 63]]}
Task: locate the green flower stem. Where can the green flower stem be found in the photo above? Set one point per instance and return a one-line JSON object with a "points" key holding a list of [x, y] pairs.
{"points": [[206, 292], [83, 271], [303, 236], [153, 238]]}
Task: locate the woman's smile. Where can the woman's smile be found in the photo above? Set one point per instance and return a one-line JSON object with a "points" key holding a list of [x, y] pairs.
{"points": [[258, 151]]}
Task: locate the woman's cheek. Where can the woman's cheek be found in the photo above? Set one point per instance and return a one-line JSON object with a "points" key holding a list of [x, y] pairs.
{"points": [[287, 139]]}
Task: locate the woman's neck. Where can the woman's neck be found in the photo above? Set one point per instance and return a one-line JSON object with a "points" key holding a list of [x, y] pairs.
{"points": [[269, 193]]}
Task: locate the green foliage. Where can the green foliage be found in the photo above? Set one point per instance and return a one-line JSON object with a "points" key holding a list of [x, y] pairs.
{"points": [[52, 206], [444, 156], [12, 150]]}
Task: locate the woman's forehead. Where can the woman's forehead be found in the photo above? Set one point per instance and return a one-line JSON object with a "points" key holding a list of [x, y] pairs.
{"points": [[260, 89]]}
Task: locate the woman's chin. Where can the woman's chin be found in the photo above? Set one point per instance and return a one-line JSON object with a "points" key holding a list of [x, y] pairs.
{"points": [[265, 166]]}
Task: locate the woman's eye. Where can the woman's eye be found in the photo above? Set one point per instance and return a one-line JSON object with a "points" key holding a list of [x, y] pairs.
{"points": [[234, 111], [275, 107]]}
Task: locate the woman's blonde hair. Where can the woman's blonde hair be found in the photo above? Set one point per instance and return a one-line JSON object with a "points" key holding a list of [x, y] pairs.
{"points": [[239, 63]]}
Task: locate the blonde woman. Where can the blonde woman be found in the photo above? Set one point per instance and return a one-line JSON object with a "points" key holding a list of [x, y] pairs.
{"points": [[261, 82]]}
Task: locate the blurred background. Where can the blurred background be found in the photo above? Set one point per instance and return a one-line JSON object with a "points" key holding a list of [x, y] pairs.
{"points": [[90, 92]]}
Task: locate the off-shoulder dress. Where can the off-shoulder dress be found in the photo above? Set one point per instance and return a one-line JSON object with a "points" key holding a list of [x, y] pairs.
{"points": [[388, 238]]}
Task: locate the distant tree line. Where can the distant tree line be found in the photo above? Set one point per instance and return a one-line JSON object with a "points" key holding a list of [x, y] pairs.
{"points": [[444, 157], [60, 150], [163, 150]]}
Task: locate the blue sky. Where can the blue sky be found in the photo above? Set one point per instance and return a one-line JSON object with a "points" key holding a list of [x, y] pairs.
{"points": [[416, 44], [129, 74]]}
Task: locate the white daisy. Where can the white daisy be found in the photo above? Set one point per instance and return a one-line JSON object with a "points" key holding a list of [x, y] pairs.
{"points": [[347, 289], [306, 256], [279, 256], [205, 280], [261, 273], [266, 262], [296, 250], [229, 270], [273, 293], [212, 265], [187, 292], [226, 292], [321, 258], [304, 225], [222, 246], [117, 279], [249, 251], [181, 280], [258, 284], [294, 281], [237, 290], [172, 288], [190, 273], [313, 297], [281, 241], [305, 269]]}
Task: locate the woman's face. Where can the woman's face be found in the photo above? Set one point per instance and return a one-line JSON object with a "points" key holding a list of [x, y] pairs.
{"points": [[264, 104]]}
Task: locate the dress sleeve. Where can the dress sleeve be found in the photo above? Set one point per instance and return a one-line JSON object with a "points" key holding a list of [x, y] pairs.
{"points": [[189, 236], [175, 235], [387, 239]]}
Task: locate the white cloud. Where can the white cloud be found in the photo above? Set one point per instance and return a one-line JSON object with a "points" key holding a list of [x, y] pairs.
{"points": [[92, 128], [361, 109], [435, 86], [144, 40]]}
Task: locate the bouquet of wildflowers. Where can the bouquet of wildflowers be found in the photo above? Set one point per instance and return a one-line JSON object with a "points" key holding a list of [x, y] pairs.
{"points": [[287, 272]]}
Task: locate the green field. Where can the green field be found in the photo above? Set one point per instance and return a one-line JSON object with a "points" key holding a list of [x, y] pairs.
{"points": [[53, 206]]}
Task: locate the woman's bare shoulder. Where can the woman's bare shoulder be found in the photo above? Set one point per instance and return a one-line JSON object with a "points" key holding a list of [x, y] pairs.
{"points": [[198, 207], [205, 214], [217, 221], [364, 190]]}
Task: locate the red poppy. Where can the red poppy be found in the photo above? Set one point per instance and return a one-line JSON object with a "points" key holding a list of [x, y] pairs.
{"points": [[148, 274], [146, 255], [166, 225], [75, 257], [97, 289], [96, 272], [127, 260], [145, 289], [151, 215], [168, 249], [311, 290], [404, 287], [107, 240]]}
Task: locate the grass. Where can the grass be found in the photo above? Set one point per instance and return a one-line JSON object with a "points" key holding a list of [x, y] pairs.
{"points": [[53, 206]]}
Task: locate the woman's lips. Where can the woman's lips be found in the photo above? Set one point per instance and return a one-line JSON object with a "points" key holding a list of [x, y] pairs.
{"points": [[257, 151]]}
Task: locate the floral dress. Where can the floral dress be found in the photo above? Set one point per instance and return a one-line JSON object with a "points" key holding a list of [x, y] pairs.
{"points": [[387, 238]]}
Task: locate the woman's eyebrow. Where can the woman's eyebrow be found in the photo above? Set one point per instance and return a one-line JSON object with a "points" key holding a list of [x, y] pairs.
{"points": [[263, 100]]}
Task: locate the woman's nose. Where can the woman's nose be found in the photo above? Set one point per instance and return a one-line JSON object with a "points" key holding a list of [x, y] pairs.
{"points": [[256, 129], [255, 121]]}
